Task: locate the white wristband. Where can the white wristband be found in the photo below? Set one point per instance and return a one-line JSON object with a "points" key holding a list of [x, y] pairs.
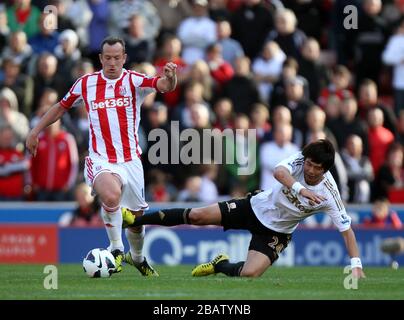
{"points": [[356, 263], [297, 186]]}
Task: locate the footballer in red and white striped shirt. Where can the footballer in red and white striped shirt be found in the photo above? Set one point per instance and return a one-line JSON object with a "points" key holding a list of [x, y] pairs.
{"points": [[113, 98]]}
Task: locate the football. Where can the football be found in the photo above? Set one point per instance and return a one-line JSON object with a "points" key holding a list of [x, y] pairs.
{"points": [[99, 263]]}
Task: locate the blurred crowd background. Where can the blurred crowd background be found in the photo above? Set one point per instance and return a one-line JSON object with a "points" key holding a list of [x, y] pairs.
{"points": [[289, 69]]}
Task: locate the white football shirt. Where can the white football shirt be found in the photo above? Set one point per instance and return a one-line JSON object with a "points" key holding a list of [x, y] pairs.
{"points": [[113, 107], [281, 209]]}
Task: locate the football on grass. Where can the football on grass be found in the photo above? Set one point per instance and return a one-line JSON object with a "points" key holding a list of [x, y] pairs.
{"points": [[99, 263]]}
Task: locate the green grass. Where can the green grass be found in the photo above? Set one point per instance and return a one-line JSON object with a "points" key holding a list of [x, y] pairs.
{"points": [[26, 282]]}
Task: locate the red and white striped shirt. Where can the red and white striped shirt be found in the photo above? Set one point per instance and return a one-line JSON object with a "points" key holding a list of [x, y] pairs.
{"points": [[113, 107]]}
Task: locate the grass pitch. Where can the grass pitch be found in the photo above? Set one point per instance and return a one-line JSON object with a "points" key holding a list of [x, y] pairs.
{"points": [[175, 283]]}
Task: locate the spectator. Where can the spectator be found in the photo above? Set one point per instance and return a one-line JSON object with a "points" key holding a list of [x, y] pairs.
{"points": [[251, 24], [391, 174], [98, 28], [67, 54], [312, 16], [46, 40], [20, 83], [296, 101], [259, 118], [382, 216], [282, 115], [80, 15], [368, 99], [220, 70], [393, 55], [289, 70], [208, 192], [271, 153], [359, 168], [218, 10], [139, 47], [4, 30], [122, 10], [158, 188], [191, 191], [379, 139], [315, 122], [311, 67], [368, 41], [63, 21], [13, 166], [242, 89], [244, 155], [340, 81], [196, 32], [286, 33], [47, 76], [19, 50], [9, 114], [200, 72], [267, 68], [333, 114], [54, 168], [171, 14], [24, 16], [231, 48], [193, 92], [224, 116], [171, 51], [87, 211], [350, 123]]}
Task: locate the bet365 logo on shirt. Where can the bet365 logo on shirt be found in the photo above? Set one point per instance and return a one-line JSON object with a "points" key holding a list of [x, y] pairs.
{"points": [[110, 103]]}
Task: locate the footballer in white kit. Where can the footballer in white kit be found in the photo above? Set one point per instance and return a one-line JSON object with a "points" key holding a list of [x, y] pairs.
{"points": [[304, 187], [281, 208]]}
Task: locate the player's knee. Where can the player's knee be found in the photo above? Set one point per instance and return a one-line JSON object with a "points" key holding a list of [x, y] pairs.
{"points": [[250, 273], [196, 216], [112, 199]]}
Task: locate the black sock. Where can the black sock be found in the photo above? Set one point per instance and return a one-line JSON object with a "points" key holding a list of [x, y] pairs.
{"points": [[165, 217], [229, 269]]}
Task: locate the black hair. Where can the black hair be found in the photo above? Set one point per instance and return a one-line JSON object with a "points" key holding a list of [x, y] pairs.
{"points": [[111, 40], [322, 152]]}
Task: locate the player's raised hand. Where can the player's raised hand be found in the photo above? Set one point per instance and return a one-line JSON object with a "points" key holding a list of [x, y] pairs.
{"points": [[170, 70], [312, 196], [32, 143]]}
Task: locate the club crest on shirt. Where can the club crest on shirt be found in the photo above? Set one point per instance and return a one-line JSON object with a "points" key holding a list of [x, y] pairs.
{"points": [[122, 90]]}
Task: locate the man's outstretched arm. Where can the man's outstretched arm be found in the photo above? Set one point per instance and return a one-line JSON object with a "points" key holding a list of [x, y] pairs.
{"points": [[283, 175], [352, 248]]}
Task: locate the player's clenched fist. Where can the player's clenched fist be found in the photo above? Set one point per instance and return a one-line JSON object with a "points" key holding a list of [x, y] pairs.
{"points": [[170, 69]]}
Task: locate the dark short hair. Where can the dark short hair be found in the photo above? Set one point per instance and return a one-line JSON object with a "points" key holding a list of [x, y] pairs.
{"points": [[111, 40], [322, 152]]}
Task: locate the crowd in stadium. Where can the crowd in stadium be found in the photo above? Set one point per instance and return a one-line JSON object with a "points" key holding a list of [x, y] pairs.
{"points": [[289, 69]]}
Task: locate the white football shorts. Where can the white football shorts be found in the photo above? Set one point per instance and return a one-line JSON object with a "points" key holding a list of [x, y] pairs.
{"points": [[131, 175]]}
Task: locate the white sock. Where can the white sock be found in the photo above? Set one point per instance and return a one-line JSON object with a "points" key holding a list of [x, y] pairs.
{"points": [[113, 226], [136, 244]]}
